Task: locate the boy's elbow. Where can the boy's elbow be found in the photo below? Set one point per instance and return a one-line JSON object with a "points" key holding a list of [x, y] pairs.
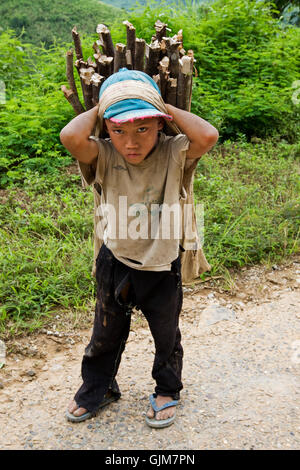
{"points": [[68, 140], [64, 136], [212, 137]]}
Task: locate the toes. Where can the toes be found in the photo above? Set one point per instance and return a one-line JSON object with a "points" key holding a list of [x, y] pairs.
{"points": [[72, 407], [150, 413], [165, 414], [79, 411]]}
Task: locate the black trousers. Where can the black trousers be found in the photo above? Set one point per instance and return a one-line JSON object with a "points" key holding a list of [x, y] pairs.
{"points": [[159, 296]]}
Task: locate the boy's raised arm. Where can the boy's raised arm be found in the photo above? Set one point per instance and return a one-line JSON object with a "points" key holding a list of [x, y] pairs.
{"points": [[201, 134], [75, 136]]}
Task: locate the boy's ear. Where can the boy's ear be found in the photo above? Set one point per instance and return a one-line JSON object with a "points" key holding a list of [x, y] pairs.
{"points": [[161, 123]]}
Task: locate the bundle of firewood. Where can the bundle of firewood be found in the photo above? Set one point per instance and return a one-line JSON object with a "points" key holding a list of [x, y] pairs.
{"points": [[164, 60], [171, 67]]}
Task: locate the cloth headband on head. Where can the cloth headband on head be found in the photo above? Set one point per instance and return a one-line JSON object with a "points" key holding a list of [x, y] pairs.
{"points": [[131, 99], [132, 90]]}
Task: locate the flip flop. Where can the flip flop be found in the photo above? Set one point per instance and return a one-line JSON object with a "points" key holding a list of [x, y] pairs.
{"points": [[160, 423], [91, 414]]}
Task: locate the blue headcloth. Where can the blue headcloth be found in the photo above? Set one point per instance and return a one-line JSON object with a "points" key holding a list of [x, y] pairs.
{"points": [[130, 109]]}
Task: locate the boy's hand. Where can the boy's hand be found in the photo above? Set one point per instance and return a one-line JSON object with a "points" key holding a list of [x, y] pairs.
{"points": [[201, 134]]}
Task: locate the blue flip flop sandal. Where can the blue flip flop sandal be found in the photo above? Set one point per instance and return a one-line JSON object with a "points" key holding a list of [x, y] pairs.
{"points": [[160, 423], [91, 414]]}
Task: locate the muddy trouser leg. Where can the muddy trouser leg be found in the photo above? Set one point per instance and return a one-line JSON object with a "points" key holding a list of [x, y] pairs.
{"points": [[102, 356], [161, 305]]}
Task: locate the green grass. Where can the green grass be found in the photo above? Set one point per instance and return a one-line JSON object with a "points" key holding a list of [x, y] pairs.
{"points": [[251, 198], [251, 203], [46, 250]]}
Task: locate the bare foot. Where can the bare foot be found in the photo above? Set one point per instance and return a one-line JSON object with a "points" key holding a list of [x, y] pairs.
{"points": [[164, 414], [75, 410]]}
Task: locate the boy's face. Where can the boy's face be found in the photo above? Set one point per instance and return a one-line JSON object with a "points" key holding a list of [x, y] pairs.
{"points": [[134, 140]]}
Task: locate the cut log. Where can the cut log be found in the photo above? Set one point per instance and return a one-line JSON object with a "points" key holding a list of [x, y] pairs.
{"points": [[104, 65], [190, 53], [152, 58], [156, 78], [120, 57], [140, 47], [128, 59], [130, 29], [163, 75], [184, 88], [172, 48], [91, 63], [69, 71], [96, 48], [96, 81], [171, 91], [87, 90], [179, 37], [161, 30], [77, 43], [73, 100], [106, 40]]}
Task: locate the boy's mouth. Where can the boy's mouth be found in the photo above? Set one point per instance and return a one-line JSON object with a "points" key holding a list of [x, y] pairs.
{"points": [[133, 155]]}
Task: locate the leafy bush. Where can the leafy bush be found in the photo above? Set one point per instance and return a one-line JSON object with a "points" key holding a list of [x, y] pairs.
{"points": [[35, 110]]}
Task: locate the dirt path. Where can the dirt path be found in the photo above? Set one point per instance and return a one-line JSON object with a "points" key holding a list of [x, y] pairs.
{"points": [[241, 376]]}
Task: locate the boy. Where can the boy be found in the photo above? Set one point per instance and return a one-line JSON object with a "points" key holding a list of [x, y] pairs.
{"points": [[141, 167]]}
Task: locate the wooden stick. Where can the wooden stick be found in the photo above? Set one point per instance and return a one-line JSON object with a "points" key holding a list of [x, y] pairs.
{"points": [[77, 43], [128, 59], [91, 63], [184, 88], [78, 64], [104, 65], [69, 71], [156, 78], [130, 41], [140, 46], [107, 43], [173, 54], [87, 90], [161, 30], [120, 57], [171, 91], [96, 81], [96, 48], [179, 37], [152, 58], [163, 75], [73, 100]]}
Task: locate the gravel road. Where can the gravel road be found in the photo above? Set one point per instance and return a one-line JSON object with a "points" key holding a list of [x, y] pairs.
{"points": [[241, 376]]}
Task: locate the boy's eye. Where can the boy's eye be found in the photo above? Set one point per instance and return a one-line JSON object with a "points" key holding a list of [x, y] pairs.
{"points": [[117, 131], [142, 129]]}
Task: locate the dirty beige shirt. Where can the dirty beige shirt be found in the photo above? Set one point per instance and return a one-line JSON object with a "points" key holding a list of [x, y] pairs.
{"points": [[140, 222]]}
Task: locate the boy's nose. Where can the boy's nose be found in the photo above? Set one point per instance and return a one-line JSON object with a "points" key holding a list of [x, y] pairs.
{"points": [[131, 143]]}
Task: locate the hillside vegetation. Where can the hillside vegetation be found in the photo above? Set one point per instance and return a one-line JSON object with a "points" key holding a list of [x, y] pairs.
{"points": [[46, 23]]}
